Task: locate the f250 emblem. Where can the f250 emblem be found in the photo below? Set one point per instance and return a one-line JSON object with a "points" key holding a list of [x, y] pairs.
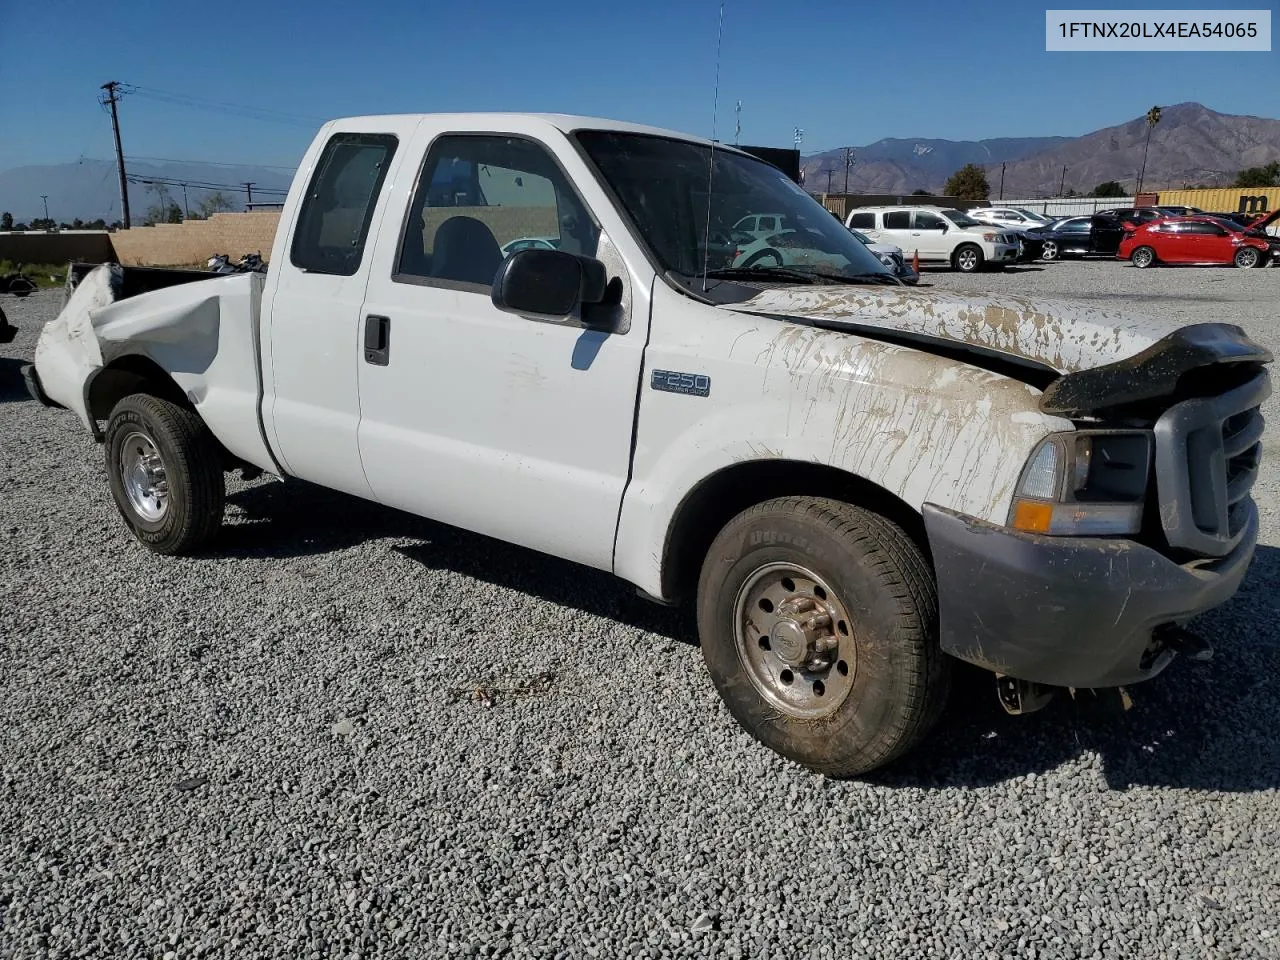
{"points": [[672, 381]]}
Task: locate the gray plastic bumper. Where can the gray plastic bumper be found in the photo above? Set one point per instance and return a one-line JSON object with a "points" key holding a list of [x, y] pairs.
{"points": [[1067, 611]]}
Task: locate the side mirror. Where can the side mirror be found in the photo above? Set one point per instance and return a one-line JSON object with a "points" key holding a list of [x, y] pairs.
{"points": [[943, 226], [548, 283]]}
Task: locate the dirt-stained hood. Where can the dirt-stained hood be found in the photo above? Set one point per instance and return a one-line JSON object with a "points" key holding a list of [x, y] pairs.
{"points": [[1116, 357]]}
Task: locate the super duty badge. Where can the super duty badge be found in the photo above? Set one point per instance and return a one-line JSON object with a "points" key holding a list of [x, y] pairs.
{"points": [[673, 381]]}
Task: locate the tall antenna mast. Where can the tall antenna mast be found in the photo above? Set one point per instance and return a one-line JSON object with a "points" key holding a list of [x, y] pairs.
{"points": [[711, 160]]}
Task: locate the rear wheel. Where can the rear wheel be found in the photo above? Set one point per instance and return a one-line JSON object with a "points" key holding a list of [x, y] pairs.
{"points": [[1143, 257], [967, 259], [165, 473], [1050, 251], [1247, 257], [818, 626]]}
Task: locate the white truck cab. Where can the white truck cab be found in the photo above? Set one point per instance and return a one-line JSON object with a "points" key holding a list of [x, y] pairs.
{"points": [[938, 235], [853, 481]]}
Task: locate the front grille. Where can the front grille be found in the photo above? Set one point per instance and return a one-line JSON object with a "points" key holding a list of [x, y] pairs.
{"points": [[1207, 456]]}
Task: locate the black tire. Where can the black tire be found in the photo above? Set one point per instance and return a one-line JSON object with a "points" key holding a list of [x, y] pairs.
{"points": [[967, 258], [1051, 251], [900, 677], [1247, 258], [764, 258], [190, 468], [1143, 257]]}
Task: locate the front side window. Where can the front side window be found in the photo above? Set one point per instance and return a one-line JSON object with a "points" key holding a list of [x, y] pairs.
{"points": [[661, 184], [480, 199], [928, 221], [333, 223]]}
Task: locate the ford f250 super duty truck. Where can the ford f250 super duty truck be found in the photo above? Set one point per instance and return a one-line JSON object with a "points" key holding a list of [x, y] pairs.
{"points": [[531, 327]]}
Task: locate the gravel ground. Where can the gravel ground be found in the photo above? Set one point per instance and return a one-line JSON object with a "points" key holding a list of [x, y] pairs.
{"points": [[383, 737]]}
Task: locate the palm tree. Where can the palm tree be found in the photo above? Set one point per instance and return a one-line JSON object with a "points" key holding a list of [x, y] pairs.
{"points": [[1153, 117]]}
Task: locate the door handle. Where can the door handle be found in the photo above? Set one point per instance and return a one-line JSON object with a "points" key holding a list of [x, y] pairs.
{"points": [[377, 340]]}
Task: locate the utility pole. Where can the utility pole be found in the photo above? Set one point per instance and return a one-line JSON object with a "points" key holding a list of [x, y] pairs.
{"points": [[186, 209], [737, 132], [830, 171], [248, 188], [45, 198], [848, 162], [1002, 181], [112, 98], [1062, 187]]}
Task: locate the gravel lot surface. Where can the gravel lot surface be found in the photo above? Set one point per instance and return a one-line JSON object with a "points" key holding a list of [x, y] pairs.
{"points": [[279, 749]]}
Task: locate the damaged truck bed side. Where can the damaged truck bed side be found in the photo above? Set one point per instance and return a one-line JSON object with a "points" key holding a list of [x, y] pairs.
{"points": [[530, 326]]}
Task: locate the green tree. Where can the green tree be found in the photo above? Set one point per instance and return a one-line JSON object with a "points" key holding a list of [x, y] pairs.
{"points": [[921, 193], [214, 203], [21, 227], [43, 223], [1266, 176], [1110, 188], [968, 183], [6, 220], [163, 214]]}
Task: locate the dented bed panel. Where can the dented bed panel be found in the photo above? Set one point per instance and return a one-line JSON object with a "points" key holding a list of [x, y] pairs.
{"points": [[923, 427], [204, 335]]}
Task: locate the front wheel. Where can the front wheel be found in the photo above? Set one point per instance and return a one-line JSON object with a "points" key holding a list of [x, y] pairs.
{"points": [[1246, 257], [166, 474], [1143, 257], [968, 259], [818, 627]]}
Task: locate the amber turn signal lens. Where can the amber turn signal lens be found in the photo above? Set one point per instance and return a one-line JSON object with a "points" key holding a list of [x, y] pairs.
{"points": [[1033, 516]]}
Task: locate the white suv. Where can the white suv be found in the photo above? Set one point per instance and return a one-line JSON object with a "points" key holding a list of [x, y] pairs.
{"points": [[939, 235]]}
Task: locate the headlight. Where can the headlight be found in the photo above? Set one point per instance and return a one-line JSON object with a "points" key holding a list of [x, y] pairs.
{"points": [[885, 259], [1089, 483]]}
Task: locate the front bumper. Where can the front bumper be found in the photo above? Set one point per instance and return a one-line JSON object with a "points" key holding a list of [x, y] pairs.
{"points": [[1067, 611], [1002, 252]]}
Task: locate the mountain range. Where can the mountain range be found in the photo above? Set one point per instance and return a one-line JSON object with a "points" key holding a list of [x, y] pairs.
{"points": [[1191, 145]]}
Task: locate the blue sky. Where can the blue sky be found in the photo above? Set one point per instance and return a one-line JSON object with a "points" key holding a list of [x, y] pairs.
{"points": [[846, 71]]}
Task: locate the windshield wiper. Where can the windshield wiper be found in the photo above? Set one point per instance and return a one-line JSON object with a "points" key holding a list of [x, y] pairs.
{"points": [[886, 278], [758, 273]]}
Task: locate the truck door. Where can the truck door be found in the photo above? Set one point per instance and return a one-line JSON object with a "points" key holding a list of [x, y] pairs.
{"points": [[311, 347], [490, 421]]}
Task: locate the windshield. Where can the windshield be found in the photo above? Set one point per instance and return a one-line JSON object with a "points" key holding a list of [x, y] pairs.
{"points": [[961, 219], [662, 185]]}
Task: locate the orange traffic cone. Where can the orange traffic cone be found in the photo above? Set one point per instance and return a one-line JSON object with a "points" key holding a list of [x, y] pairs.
{"points": [[915, 261]]}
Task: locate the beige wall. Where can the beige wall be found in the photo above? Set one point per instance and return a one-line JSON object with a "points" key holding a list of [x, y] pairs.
{"points": [[172, 244]]}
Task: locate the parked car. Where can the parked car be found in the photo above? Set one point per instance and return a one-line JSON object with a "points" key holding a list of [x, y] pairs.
{"points": [[852, 481], [529, 243], [1109, 226], [891, 256], [1069, 237], [1016, 217], [1177, 211], [1194, 240], [939, 234]]}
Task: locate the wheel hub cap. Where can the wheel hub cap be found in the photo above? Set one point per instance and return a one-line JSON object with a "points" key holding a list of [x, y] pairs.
{"points": [[795, 640], [142, 473]]}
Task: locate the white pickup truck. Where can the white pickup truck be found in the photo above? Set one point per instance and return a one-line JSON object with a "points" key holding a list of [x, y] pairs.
{"points": [[853, 480]]}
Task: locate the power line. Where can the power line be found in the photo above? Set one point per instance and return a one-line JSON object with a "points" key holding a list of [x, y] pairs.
{"points": [[231, 109], [218, 163]]}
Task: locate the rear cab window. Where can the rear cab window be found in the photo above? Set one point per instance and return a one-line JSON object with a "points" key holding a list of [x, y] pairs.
{"points": [[333, 224]]}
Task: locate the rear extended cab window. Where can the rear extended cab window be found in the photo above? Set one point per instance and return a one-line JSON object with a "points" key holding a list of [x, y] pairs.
{"points": [[337, 209]]}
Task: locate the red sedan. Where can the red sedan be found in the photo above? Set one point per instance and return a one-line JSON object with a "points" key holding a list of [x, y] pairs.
{"points": [[1194, 240]]}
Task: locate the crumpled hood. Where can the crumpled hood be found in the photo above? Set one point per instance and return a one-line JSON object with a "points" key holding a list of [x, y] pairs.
{"points": [[1067, 337]]}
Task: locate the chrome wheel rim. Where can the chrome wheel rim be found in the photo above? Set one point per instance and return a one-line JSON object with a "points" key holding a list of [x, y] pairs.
{"points": [[795, 640], [142, 473], [968, 260], [1050, 251], [1247, 258], [1142, 258]]}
